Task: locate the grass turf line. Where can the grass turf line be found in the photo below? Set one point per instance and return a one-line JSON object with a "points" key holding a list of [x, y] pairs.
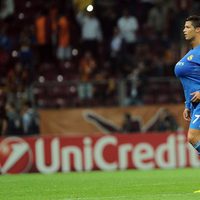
{"points": [[176, 184]]}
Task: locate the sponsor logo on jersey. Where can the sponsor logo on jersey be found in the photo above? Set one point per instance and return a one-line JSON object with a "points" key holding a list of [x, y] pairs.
{"points": [[180, 63], [190, 57]]}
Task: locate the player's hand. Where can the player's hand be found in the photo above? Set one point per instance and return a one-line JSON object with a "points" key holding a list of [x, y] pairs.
{"points": [[196, 96], [186, 114]]}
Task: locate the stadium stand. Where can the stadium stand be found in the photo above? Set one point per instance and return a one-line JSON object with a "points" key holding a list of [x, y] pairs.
{"points": [[123, 78]]}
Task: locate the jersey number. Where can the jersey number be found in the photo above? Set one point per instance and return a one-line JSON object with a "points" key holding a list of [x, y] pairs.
{"points": [[197, 117]]}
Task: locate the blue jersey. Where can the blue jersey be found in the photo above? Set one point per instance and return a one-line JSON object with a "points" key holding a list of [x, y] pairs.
{"points": [[188, 71]]}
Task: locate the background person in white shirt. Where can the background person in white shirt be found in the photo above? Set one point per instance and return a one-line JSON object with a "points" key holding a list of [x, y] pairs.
{"points": [[128, 27], [91, 32]]}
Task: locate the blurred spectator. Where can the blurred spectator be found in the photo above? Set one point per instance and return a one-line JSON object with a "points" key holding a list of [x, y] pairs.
{"points": [[17, 76], [5, 41], [25, 51], [131, 124], [17, 84], [43, 37], [166, 122], [195, 6], [116, 53], [6, 8], [3, 117], [103, 87], [87, 68], [14, 119], [163, 121], [3, 121], [134, 96], [171, 26], [91, 33], [64, 40], [171, 55], [4, 58], [30, 119], [128, 27], [116, 43], [146, 5], [157, 17], [53, 20], [52, 34], [186, 4], [111, 89], [108, 19]]}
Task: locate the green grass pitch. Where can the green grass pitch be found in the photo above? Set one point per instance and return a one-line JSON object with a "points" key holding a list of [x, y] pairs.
{"points": [[176, 184]]}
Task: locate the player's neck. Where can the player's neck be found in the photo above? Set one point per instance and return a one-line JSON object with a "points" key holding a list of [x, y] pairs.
{"points": [[195, 42]]}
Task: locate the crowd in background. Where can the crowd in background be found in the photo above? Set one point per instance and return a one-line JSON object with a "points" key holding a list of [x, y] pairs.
{"points": [[64, 40]]}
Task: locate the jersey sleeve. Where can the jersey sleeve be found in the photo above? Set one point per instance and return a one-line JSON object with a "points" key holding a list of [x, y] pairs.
{"points": [[187, 105]]}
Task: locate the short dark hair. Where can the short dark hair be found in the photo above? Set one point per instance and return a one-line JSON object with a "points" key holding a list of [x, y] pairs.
{"points": [[195, 19]]}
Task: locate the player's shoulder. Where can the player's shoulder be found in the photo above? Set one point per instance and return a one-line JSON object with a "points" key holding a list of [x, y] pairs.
{"points": [[196, 50], [193, 56], [194, 53]]}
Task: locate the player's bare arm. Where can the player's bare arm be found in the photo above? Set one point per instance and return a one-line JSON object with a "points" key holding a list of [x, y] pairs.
{"points": [[186, 114]]}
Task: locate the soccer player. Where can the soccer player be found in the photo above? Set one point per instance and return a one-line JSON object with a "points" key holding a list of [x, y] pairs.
{"points": [[188, 71]]}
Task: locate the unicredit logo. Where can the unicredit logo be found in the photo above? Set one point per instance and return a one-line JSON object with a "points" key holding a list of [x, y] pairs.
{"points": [[54, 154], [15, 156]]}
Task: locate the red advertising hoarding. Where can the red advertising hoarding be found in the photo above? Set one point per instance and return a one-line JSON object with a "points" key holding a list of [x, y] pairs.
{"points": [[111, 152]]}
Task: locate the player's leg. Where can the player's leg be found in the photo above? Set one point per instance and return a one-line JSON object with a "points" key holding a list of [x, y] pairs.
{"points": [[194, 129], [194, 138]]}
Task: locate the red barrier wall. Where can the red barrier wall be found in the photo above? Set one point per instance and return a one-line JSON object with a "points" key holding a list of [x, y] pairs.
{"points": [[113, 152]]}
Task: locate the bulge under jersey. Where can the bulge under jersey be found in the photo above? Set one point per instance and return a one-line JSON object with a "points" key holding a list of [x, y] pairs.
{"points": [[188, 71]]}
